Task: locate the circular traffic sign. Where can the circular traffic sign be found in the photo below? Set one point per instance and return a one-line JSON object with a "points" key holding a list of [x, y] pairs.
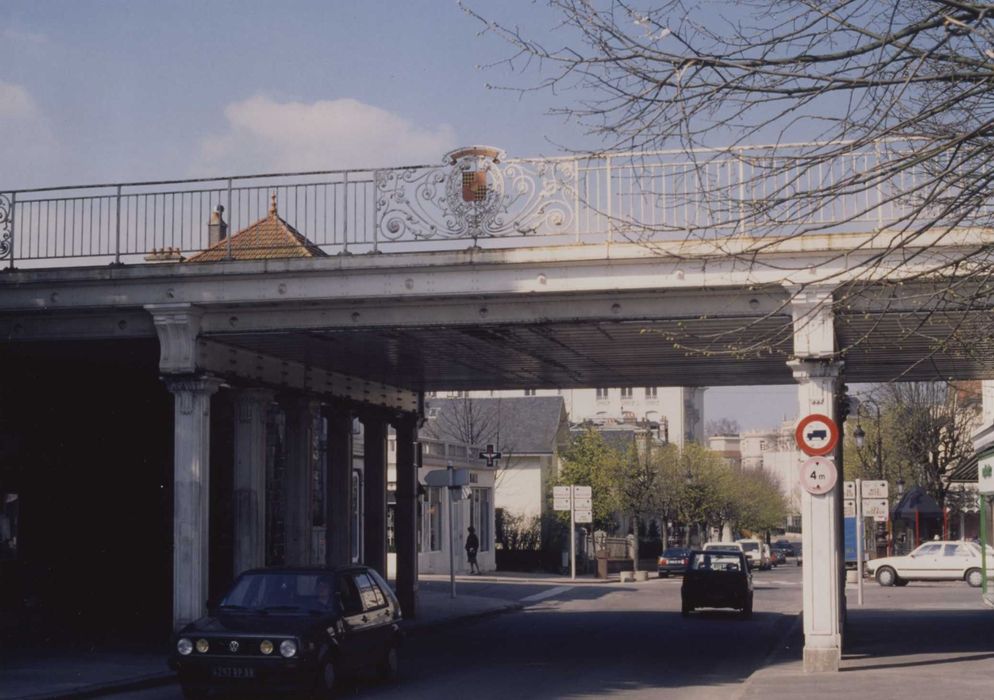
{"points": [[818, 475], [816, 435]]}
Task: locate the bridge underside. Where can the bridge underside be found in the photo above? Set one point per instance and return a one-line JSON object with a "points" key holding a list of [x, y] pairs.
{"points": [[668, 352]]}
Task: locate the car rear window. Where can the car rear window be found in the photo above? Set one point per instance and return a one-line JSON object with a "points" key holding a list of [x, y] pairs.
{"points": [[749, 546], [717, 561]]}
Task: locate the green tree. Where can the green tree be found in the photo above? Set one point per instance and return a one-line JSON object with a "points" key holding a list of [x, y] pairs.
{"points": [[589, 461], [638, 483]]}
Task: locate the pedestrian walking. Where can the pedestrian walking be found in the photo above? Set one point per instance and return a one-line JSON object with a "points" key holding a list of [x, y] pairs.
{"points": [[472, 547]]}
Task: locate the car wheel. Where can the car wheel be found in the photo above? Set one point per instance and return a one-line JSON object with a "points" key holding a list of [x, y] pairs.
{"points": [[974, 578], [664, 574], [389, 667], [191, 693], [686, 609], [324, 686], [747, 610], [886, 576]]}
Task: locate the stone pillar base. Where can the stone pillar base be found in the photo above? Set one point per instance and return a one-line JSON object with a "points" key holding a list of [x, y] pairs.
{"points": [[819, 660]]}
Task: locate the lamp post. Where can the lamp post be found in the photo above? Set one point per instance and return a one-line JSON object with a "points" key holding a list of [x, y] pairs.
{"points": [[860, 437]]}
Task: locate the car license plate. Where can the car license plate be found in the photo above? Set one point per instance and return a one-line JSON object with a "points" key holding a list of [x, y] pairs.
{"points": [[232, 672]]}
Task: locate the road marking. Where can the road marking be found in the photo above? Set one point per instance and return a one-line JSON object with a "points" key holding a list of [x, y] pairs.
{"points": [[535, 597]]}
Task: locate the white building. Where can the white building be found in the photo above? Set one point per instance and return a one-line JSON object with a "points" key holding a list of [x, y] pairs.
{"points": [[679, 410], [775, 452]]}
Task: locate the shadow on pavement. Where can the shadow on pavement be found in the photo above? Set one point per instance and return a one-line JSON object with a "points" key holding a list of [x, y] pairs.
{"points": [[886, 635]]}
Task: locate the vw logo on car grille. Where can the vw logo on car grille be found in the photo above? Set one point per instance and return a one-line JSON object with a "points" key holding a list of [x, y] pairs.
{"points": [[233, 646]]}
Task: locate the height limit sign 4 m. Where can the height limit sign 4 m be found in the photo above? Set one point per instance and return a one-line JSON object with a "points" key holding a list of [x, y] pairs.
{"points": [[817, 435]]}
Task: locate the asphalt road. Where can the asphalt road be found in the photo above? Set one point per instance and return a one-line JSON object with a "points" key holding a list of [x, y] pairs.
{"points": [[590, 640]]}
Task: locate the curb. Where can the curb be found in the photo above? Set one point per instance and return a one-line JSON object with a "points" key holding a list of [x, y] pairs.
{"points": [[416, 630], [94, 690]]}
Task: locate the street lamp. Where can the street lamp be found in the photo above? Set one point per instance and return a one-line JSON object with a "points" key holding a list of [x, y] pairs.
{"points": [[859, 435], [900, 486]]}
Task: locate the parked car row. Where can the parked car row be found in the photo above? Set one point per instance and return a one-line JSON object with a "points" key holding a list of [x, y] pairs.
{"points": [[759, 555]]}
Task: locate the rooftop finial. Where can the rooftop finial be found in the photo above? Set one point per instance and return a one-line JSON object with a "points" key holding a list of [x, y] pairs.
{"points": [[272, 204]]}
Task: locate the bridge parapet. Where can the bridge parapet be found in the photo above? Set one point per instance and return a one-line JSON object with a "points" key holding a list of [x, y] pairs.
{"points": [[477, 197]]}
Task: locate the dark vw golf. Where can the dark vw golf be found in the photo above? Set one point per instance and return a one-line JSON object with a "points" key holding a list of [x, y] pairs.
{"points": [[717, 579], [295, 629]]}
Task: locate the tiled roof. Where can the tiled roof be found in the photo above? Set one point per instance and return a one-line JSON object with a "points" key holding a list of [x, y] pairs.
{"points": [[267, 238]]}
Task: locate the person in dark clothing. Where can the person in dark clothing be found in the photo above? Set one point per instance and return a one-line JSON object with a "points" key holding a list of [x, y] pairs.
{"points": [[472, 547]]}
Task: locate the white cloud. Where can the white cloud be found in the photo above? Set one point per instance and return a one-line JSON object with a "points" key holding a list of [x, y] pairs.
{"points": [[16, 103], [266, 135], [30, 151]]}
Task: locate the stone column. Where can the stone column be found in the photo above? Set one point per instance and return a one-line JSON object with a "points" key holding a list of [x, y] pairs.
{"points": [[191, 468], [819, 378], [300, 415], [406, 520], [375, 492], [338, 502], [251, 407]]}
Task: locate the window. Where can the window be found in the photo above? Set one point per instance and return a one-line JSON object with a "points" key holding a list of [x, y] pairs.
{"points": [[356, 514], [435, 519], [529, 392], [349, 594], [370, 594], [9, 517], [928, 550], [626, 392], [479, 516], [955, 550], [601, 394], [650, 392]]}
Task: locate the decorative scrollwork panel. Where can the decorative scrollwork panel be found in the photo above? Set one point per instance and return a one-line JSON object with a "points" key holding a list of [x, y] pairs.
{"points": [[6, 226], [476, 197]]}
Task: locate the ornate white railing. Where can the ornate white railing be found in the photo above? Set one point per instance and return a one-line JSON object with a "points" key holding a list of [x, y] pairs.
{"points": [[475, 196]]}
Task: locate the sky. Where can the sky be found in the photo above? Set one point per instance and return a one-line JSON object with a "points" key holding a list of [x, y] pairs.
{"points": [[104, 91]]}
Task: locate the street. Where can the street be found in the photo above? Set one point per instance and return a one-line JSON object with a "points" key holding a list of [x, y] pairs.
{"points": [[589, 640]]}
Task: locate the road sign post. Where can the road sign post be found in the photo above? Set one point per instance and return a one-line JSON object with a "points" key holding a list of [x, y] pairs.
{"points": [[859, 544], [578, 500]]}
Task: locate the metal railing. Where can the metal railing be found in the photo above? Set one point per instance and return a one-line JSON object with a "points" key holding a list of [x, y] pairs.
{"points": [[662, 195]]}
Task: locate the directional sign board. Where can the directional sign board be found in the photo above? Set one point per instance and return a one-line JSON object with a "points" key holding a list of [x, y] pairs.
{"points": [[560, 491], [583, 503], [874, 489], [849, 492], [849, 507], [583, 516], [816, 435], [582, 492], [561, 504], [985, 475], [818, 476], [875, 507]]}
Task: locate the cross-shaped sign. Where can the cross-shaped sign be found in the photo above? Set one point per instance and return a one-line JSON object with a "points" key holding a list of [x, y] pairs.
{"points": [[490, 455]]}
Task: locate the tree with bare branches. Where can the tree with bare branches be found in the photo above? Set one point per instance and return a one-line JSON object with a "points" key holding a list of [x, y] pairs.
{"points": [[876, 116]]}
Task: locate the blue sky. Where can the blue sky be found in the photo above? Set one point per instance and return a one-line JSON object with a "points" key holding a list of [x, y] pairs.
{"points": [[133, 89], [123, 90]]}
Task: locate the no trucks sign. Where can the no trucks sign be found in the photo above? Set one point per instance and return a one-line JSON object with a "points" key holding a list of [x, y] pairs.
{"points": [[816, 435]]}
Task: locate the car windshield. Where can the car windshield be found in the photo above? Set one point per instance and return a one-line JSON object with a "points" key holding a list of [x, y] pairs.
{"points": [[274, 592], [716, 561], [675, 553]]}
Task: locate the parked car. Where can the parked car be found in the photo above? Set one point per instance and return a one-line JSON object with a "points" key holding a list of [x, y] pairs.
{"points": [[780, 552], [758, 558], [768, 555], [673, 561], [290, 630], [717, 578], [940, 560], [725, 546]]}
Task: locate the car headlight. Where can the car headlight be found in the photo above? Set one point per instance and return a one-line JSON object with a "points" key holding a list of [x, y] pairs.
{"points": [[184, 646], [288, 648], [203, 646], [266, 647]]}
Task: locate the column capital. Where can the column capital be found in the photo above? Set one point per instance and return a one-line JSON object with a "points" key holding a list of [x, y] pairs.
{"points": [[186, 387], [178, 327], [809, 369]]}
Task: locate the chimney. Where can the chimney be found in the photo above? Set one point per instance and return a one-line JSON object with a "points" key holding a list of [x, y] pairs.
{"points": [[217, 230]]}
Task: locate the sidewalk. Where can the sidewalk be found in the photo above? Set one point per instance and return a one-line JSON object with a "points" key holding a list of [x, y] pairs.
{"points": [[38, 675], [921, 641]]}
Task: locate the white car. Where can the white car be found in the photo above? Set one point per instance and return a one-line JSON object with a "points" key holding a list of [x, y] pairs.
{"points": [[755, 553], [939, 560]]}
